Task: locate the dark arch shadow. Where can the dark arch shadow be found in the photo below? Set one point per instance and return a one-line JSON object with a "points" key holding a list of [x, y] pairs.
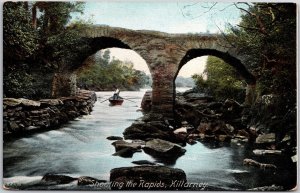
{"points": [[234, 62], [94, 45]]}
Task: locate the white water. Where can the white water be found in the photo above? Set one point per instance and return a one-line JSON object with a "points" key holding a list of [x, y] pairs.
{"points": [[80, 148]]}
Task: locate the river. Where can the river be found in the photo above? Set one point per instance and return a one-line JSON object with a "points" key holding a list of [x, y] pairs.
{"points": [[80, 148]]}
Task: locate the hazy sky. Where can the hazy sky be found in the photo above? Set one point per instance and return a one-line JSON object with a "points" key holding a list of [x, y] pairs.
{"points": [[170, 17]]}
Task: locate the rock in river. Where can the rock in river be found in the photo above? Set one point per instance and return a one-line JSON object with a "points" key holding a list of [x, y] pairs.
{"points": [[85, 180], [126, 152], [147, 178], [267, 152], [114, 138], [54, 179], [159, 147], [143, 162], [265, 138], [126, 149], [121, 144]]}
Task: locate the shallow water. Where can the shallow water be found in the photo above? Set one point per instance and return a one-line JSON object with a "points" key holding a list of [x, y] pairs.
{"points": [[80, 148]]}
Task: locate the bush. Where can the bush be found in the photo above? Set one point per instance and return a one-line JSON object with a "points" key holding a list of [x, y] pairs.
{"points": [[220, 80]]}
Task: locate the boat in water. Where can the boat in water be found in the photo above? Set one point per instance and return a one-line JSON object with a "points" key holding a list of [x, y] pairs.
{"points": [[118, 101]]}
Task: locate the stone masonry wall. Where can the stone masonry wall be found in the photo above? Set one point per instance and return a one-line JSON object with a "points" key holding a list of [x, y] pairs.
{"points": [[164, 54], [23, 116]]}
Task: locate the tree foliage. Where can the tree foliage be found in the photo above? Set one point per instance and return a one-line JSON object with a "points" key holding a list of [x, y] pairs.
{"points": [[104, 73], [19, 38], [38, 39], [220, 80], [266, 37]]}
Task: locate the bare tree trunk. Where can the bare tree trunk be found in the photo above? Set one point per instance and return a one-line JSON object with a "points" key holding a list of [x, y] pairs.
{"points": [[34, 19]]}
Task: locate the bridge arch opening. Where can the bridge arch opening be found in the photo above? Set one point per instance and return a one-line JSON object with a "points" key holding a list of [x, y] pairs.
{"points": [[231, 60], [184, 80], [120, 54], [226, 57]]}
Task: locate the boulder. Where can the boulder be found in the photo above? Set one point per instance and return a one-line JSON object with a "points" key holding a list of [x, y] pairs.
{"points": [[85, 180], [121, 144], [138, 141], [30, 103], [230, 127], [114, 138], [143, 162], [54, 179], [267, 152], [148, 130], [51, 102], [159, 147], [13, 126], [147, 178], [126, 152], [265, 138], [251, 162], [12, 102], [180, 130]]}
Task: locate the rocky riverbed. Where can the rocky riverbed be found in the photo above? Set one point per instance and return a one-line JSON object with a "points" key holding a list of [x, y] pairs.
{"points": [[207, 147], [201, 118]]}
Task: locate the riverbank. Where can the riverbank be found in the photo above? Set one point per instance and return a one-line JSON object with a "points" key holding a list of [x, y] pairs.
{"points": [[23, 116], [81, 148], [271, 151]]}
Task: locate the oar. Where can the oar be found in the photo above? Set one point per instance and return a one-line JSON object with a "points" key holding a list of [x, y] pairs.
{"points": [[104, 100], [130, 100]]}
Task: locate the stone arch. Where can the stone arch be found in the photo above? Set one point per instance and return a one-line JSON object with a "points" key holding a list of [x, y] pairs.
{"points": [[64, 82], [96, 44], [231, 60]]}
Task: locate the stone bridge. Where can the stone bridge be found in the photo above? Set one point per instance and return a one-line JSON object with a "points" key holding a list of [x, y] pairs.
{"points": [[165, 54]]}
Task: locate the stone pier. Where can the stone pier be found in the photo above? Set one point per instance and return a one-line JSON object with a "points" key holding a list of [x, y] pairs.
{"points": [[165, 54]]}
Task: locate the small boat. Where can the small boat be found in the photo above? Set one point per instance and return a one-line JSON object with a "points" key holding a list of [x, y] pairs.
{"points": [[117, 101]]}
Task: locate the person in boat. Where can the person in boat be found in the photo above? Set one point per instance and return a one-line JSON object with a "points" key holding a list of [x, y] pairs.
{"points": [[116, 93]]}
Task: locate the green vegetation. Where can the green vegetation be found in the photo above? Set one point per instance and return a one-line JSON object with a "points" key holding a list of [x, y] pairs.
{"points": [[266, 38], [37, 46], [39, 40], [222, 81], [103, 74]]}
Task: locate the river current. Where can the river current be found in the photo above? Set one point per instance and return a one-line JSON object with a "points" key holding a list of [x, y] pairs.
{"points": [[80, 148]]}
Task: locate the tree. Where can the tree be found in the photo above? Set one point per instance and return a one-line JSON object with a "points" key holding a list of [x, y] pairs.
{"points": [[266, 37], [19, 39], [36, 46], [59, 44], [222, 81], [103, 74], [19, 44]]}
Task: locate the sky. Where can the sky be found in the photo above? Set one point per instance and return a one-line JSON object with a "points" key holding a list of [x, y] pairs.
{"points": [[166, 16]]}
